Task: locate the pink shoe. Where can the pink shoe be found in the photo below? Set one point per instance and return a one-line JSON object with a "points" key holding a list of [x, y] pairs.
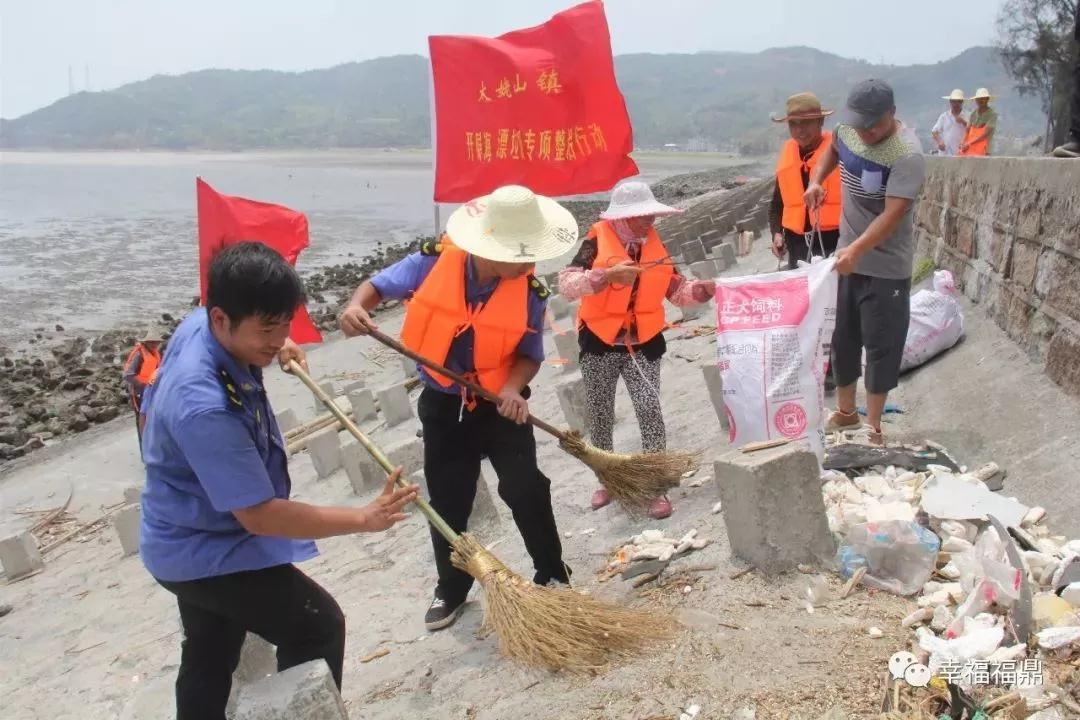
{"points": [[600, 498], [660, 508]]}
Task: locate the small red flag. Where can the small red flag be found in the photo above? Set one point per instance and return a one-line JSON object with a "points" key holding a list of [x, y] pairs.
{"points": [[537, 107], [225, 220]]}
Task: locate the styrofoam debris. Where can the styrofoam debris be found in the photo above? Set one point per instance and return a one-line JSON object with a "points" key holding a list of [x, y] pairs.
{"points": [[1058, 637], [919, 616], [949, 497], [941, 597], [1034, 516], [941, 618], [1008, 653], [1071, 594], [953, 545], [875, 632], [716, 508], [690, 712]]}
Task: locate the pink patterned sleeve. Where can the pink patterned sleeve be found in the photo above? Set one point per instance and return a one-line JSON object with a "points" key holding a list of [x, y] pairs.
{"points": [[576, 282], [682, 292]]}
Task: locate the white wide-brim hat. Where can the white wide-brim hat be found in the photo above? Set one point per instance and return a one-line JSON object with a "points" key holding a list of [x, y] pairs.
{"points": [[955, 95], [982, 93], [513, 224], [635, 199]]}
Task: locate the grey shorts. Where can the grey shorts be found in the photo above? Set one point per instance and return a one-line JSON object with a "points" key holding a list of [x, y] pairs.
{"points": [[871, 313]]}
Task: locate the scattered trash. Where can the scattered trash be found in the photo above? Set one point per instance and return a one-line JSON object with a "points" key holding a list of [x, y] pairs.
{"points": [[588, 531], [716, 508], [937, 322], [1058, 637], [899, 555], [950, 497], [690, 712], [649, 553], [816, 593], [381, 652], [875, 632]]}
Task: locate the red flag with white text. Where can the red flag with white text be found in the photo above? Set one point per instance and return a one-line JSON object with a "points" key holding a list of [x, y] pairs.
{"points": [[225, 220], [537, 107]]}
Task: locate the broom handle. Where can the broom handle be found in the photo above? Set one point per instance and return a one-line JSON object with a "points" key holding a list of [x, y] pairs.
{"points": [[429, 512], [459, 379]]}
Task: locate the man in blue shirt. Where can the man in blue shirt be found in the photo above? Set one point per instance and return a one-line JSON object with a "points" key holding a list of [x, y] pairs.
{"points": [[475, 308], [218, 528]]}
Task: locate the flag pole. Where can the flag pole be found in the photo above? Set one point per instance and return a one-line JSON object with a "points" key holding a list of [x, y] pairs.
{"points": [[438, 222], [434, 143]]}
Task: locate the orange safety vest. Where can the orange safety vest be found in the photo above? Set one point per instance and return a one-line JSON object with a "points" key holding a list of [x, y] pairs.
{"points": [[151, 359], [438, 313], [608, 311], [978, 148], [789, 177]]}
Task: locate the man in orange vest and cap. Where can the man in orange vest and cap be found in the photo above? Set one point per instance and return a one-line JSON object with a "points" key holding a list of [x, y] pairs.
{"points": [[796, 232], [139, 371], [474, 307]]}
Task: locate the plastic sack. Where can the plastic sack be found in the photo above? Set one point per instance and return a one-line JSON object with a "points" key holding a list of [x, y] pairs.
{"points": [[937, 322], [900, 556], [774, 332]]}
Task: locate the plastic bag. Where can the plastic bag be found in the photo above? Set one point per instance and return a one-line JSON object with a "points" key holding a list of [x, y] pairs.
{"points": [[900, 556], [774, 332], [937, 322]]}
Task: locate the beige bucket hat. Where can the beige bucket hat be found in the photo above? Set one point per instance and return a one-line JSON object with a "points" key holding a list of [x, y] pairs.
{"points": [[152, 335], [513, 224], [983, 93], [957, 94], [635, 199]]}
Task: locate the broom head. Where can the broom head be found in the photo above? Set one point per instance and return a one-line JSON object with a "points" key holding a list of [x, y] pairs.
{"points": [[633, 481], [555, 628]]}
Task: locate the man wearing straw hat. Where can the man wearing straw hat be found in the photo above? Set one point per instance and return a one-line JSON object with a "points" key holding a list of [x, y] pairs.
{"points": [[219, 530], [981, 126], [622, 273], [951, 127], [140, 367], [475, 308], [795, 232]]}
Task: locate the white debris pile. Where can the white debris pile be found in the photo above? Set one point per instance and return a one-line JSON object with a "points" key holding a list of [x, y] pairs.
{"points": [[971, 600], [655, 545]]}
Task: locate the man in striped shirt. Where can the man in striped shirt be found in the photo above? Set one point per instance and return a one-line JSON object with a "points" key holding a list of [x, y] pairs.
{"points": [[881, 171]]}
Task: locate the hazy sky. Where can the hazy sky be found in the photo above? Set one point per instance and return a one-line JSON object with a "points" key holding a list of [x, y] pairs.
{"points": [[126, 40]]}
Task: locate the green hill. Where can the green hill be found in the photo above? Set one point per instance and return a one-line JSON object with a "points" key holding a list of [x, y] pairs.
{"points": [[715, 99]]}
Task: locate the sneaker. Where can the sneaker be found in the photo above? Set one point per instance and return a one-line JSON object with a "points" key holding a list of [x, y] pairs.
{"points": [[442, 614], [839, 420], [600, 498], [1070, 149], [660, 508]]}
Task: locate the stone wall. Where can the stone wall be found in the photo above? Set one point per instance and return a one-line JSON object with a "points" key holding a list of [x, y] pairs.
{"points": [[1009, 230]]}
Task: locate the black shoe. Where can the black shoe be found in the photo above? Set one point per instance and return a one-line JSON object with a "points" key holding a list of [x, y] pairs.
{"points": [[546, 580], [442, 614], [1070, 149]]}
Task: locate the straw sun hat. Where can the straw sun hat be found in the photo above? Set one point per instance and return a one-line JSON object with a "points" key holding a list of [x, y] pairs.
{"points": [[957, 94], [514, 225], [152, 335], [982, 93]]}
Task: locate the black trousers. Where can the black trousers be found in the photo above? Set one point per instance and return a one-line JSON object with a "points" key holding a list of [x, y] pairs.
{"points": [[454, 444], [798, 250], [871, 313], [281, 604]]}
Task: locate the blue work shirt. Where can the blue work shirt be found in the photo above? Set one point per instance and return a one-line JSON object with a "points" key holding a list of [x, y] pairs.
{"points": [[403, 278], [211, 446]]}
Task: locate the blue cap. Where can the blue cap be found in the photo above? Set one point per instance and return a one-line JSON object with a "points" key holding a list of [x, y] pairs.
{"points": [[867, 103]]}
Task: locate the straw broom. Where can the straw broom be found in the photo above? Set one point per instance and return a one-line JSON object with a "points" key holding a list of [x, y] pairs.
{"points": [[551, 628], [633, 480]]}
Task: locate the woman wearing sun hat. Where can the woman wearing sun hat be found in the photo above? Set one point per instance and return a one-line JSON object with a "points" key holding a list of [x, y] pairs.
{"points": [[981, 125], [622, 273], [475, 308]]}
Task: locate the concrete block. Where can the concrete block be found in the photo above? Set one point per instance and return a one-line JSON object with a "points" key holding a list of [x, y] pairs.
{"points": [[258, 660], [571, 394], [305, 691], [353, 387], [363, 404], [715, 385], [317, 405], [773, 507], [711, 238], [484, 512], [704, 269], [408, 367], [724, 255], [408, 454], [566, 347], [364, 473], [126, 522], [693, 251], [287, 420], [324, 447], [559, 307], [395, 405], [19, 555], [133, 495]]}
